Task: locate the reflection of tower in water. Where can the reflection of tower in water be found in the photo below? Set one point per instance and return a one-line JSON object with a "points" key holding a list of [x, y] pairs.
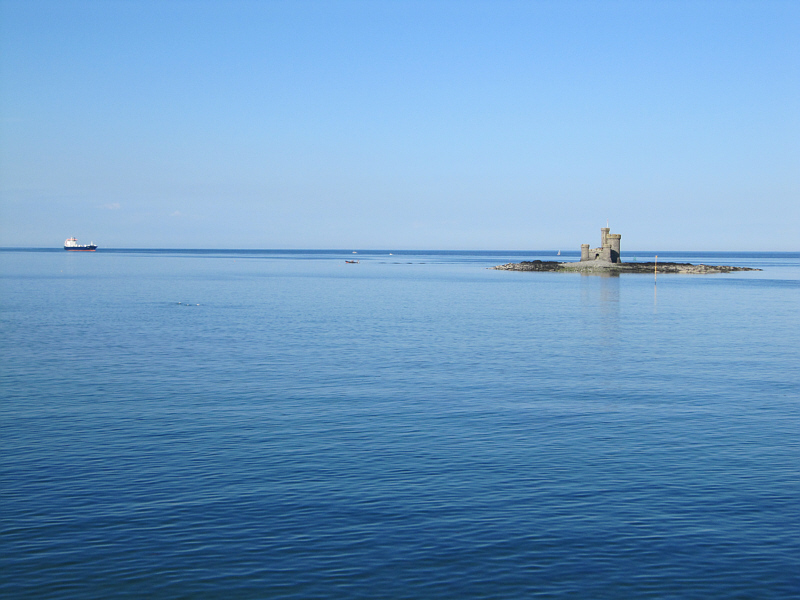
{"points": [[609, 316], [600, 296], [609, 289]]}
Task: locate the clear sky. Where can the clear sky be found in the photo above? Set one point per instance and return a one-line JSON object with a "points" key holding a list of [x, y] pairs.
{"points": [[400, 124]]}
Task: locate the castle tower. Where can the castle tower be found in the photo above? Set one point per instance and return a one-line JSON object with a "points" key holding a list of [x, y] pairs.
{"points": [[604, 236], [609, 250], [614, 241]]}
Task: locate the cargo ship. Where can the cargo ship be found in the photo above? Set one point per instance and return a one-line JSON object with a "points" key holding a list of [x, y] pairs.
{"points": [[72, 244]]}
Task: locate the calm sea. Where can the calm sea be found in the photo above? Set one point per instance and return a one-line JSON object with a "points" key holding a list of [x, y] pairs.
{"points": [[281, 424]]}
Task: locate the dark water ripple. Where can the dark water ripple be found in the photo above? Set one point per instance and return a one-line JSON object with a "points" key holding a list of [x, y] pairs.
{"points": [[296, 428]]}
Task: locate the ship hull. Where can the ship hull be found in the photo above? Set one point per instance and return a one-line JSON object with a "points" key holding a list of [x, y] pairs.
{"points": [[84, 249]]}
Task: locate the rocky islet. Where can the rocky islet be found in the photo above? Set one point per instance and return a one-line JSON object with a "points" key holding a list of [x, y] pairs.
{"points": [[598, 266]]}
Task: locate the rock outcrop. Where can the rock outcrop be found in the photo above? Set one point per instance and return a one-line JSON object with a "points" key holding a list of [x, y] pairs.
{"points": [[599, 266]]}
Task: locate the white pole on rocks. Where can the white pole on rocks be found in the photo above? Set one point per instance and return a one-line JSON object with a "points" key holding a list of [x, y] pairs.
{"points": [[655, 271]]}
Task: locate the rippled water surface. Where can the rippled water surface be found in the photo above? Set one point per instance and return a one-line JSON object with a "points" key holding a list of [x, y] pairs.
{"points": [[243, 424]]}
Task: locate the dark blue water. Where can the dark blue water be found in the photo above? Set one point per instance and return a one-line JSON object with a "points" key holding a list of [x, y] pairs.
{"points": [[280, 424]]}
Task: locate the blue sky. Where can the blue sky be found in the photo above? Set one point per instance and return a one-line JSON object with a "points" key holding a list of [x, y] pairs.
{"points": [[400, 124]]}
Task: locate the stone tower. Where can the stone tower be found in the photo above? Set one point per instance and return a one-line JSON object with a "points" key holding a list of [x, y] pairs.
{"points": [[609, 250]]}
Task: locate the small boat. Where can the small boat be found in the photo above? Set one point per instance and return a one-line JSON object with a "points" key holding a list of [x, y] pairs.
{"points": [[73, 245], [559, 253], [351, 262]]}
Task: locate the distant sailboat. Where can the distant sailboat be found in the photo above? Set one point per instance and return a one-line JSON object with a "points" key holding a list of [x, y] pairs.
{"points": [[559, 253]]}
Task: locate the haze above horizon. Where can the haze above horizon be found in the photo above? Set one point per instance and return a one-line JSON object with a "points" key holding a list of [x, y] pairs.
{"points": [[413, 125]]}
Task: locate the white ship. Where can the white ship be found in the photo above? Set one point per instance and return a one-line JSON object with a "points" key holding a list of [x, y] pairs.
{"points": [[72, 244]]}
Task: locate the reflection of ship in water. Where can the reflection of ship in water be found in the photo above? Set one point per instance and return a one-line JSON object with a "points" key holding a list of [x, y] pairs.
{"points": [[73, 245]]}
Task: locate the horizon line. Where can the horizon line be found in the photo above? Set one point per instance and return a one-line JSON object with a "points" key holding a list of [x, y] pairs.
{"points": [[356, 249]]}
